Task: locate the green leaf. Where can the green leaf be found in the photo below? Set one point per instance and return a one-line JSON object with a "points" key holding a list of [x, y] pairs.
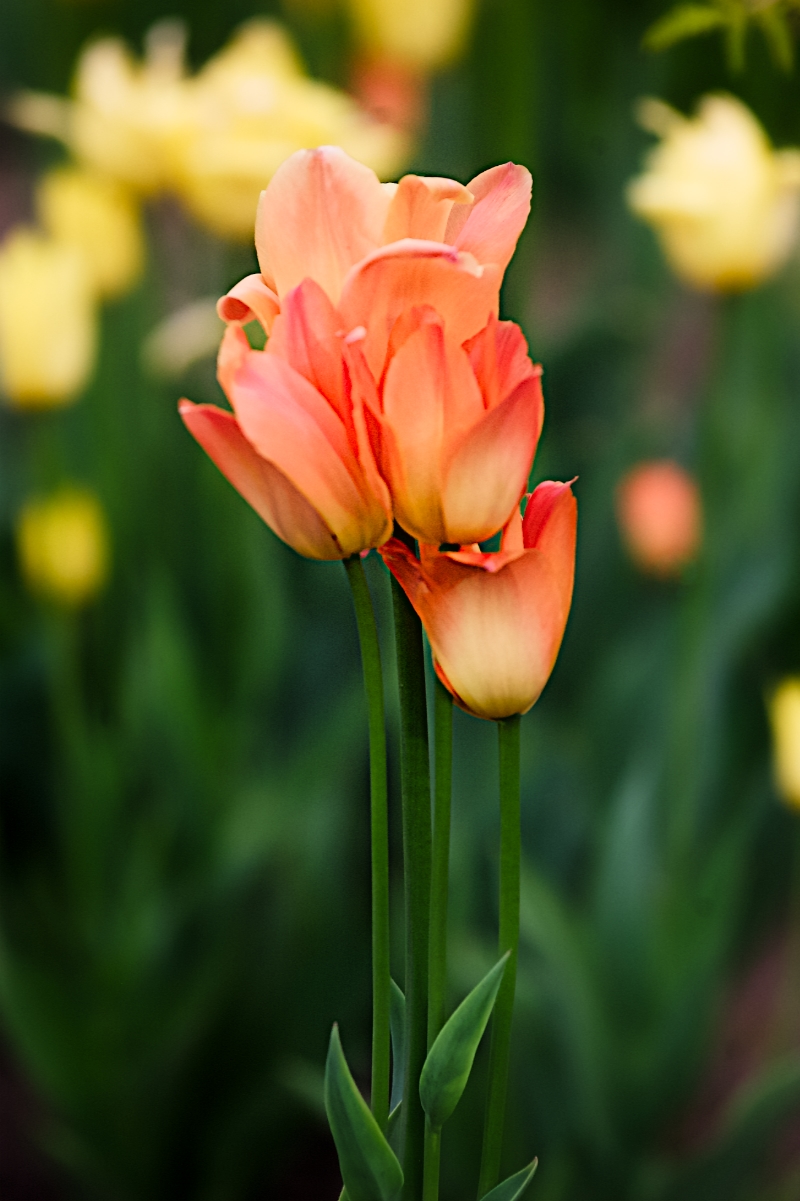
{"points": [[370, 1168], [514, 1187], [397, 1023], [447, 1068], [778, 36], [685, 21]]}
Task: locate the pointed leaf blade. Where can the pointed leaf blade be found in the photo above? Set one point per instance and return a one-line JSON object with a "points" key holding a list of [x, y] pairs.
{"points": [[397, 1024], [683, 21], [447, 1068], [513, 1188], [370, 1168]]}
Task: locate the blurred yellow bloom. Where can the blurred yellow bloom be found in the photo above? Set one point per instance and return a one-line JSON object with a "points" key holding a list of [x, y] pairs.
{"points": [[418, 33], [62, 543], [252, 107], [215, 138], [47, 320], [724, 204], [99, 217], [784, 711]]}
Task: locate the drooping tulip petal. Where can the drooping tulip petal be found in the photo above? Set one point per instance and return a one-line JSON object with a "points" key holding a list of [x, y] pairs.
{"points": [[495, 621], [491, 227], [250, 300], [321, 214], [421, 207], [259, 481], [410, 273], [488, 470]]}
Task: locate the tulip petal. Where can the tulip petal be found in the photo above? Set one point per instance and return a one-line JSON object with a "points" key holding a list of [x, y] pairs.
{"points": [[421, 206], [250, 300], [550, 525], [411, 273], [499, 357], [262, 485], [233, 350], [488, 472], [305, 335], [490, 229], [292, 425], [322, 213]]}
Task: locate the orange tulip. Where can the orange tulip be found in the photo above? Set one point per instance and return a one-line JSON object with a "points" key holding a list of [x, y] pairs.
{"points": [[296, 444], [495, 621], [660, 516]]}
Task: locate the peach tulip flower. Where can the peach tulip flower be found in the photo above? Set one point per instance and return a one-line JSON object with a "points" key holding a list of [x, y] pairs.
{"points": [[660, 517], [296, 445], [496, 621]]}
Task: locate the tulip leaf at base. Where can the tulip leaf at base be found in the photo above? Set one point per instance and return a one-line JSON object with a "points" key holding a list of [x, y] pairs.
{"points": [[449, 1063], [397, 1021], [514, 1187], [370, 1169]]}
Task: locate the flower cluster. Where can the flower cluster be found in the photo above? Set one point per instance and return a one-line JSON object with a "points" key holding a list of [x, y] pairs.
{"points": [[389, 392]]}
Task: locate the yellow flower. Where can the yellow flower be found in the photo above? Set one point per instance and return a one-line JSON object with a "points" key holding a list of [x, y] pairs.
{"points": [[784, 711], [252, 106], [418, 33], [724, 204], [62, 543], [47, 320], [99, 218]]}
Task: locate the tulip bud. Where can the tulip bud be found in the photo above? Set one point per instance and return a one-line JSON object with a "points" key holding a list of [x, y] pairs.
{"points": [[660, 517], [47, 320], [417, 33], [784, 712], [62, 543], [724, 204], [98, 217]]}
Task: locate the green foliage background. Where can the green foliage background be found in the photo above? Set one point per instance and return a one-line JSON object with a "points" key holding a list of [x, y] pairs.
{"points": [[183, 786]]}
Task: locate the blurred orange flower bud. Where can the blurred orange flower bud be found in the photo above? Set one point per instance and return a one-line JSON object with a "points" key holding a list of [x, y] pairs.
{"points": [[725, 205], [784, 712], [99, 218], [47, 320], [660, 516], [62, 542], [496, 621]]}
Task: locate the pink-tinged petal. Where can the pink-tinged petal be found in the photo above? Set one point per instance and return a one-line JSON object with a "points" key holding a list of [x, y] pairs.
{"points": [[490, 229], [410, 273], [292, 425], [421, 207], [488, 472], [262, 485], [250, 300], [499, 357], [364, 404], [233, 350], [306, 335], [550, 525], [409, 321], [322, 213]]}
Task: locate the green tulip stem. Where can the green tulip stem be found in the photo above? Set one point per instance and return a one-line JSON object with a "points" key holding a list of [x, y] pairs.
{"points": [[415, 787], [508, 940], [433, 1148], [443, 777], [379, 823]]}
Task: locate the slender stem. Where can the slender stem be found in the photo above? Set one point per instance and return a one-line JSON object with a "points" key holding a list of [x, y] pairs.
{"points": [[379, 824], [443, 777], [508, 940], [415, 781], [433, 1149]]}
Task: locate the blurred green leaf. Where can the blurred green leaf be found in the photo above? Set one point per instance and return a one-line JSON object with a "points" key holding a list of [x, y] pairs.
{"points": [[370, 1169], [684, 21], [449, 1062]]}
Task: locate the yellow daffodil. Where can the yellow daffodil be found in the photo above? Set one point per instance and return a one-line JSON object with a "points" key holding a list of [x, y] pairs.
{"points": [[47, 320], [63, 547], [418, 33], [784, 711], [100, 218], [724, 204]]}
